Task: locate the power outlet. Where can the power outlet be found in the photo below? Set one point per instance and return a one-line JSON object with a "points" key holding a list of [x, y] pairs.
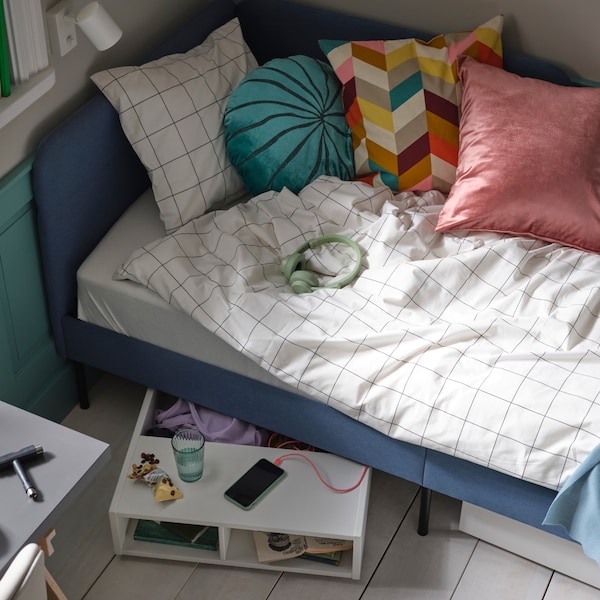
{"points": [[61, 29]]}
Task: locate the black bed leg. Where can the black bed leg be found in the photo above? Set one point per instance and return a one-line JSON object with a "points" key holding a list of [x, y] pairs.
{"points": [[425, 505], [82, 390]]}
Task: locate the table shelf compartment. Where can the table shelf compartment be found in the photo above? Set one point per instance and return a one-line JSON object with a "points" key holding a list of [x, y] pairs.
{"points": [[135, 547]]}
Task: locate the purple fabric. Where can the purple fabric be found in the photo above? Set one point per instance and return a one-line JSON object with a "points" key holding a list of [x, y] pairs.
{"points": [[215, 426]]}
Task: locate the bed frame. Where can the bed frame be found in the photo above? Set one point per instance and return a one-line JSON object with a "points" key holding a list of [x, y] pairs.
{"points": [[85, 175]]}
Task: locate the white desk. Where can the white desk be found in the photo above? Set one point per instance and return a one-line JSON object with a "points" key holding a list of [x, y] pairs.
{"points": [[70, 462]]}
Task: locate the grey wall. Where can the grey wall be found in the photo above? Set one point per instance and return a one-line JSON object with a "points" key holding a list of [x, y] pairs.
{"points": [[143, 23], [564, 32]]}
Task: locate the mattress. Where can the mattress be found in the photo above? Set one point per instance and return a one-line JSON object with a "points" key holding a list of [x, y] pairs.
{"points": [[131, 309]]}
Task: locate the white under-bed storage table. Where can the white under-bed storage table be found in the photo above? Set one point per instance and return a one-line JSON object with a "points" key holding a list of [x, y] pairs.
{"points": [[299, 505]]}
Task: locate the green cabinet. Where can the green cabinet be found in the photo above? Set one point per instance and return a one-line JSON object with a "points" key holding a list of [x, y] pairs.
{"points": [[32, 375]]}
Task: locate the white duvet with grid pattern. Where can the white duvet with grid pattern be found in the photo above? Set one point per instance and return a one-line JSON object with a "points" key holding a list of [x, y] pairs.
{"points": [[482, 346]]}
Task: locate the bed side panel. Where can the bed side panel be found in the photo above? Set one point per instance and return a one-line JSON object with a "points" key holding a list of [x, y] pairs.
{"points": [[490, 489]]}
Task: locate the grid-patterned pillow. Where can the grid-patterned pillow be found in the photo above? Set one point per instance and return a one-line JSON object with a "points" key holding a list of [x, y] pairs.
{"points": [[402, 99], [172, 111]]}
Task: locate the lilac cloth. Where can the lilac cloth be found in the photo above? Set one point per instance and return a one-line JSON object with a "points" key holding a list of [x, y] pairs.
{"points": [[215, 426]]}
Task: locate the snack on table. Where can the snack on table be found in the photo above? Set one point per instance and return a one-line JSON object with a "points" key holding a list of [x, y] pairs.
{"points": [[165, 489], [150, 474], [140, 471]]}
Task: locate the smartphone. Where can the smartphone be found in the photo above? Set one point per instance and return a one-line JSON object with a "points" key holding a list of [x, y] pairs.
{"points": [[254, 484]]}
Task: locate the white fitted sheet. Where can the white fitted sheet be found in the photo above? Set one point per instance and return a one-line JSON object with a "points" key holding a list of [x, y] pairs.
{"points": [[132, 309]]}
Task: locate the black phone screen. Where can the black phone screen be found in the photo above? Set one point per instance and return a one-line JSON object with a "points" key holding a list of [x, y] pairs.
{"points": [[255, 483]]}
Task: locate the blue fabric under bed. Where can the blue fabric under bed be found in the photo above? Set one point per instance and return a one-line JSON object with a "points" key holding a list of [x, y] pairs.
{"points": [[576, 508]]}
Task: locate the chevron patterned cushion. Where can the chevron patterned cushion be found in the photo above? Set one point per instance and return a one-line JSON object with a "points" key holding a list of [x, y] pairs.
{"points": [[402, 99], [285, 125], [171, 111]]}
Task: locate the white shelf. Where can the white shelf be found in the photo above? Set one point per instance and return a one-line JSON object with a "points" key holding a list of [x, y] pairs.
{"points": [[25, 94], [300, 504]]}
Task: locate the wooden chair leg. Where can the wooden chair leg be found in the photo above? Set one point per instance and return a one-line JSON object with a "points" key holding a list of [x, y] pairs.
{"points": [[53, 590]]}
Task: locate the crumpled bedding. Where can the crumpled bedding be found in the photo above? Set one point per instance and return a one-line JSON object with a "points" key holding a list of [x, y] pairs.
{"points": [[483, 346]]}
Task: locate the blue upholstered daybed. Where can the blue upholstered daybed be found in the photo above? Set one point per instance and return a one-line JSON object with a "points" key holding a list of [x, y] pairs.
{"points": [[86, 175]]}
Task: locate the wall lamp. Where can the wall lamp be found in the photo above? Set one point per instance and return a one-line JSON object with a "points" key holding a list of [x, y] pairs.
{"points": [[93, 20]]}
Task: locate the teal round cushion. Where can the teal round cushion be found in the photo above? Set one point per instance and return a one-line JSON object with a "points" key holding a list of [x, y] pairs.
{"points": [[285, 126]]}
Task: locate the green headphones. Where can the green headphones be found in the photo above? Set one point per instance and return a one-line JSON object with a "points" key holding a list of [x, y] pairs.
{"points": [[303, 281]]}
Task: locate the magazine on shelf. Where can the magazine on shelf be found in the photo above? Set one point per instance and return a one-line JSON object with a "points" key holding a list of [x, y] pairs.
{"points": [[271, 547]]}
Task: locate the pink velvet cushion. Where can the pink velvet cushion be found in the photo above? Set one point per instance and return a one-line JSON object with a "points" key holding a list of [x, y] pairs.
{"points": [[529, 159]]}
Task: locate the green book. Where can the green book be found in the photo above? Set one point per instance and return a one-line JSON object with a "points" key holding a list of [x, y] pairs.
{"points": [[331, 558], [188, 531], [4, 56], [152, 531]]}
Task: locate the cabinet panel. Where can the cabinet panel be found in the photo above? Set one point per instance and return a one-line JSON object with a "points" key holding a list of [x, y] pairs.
{"points": [[24, 305], [32, 375]]}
